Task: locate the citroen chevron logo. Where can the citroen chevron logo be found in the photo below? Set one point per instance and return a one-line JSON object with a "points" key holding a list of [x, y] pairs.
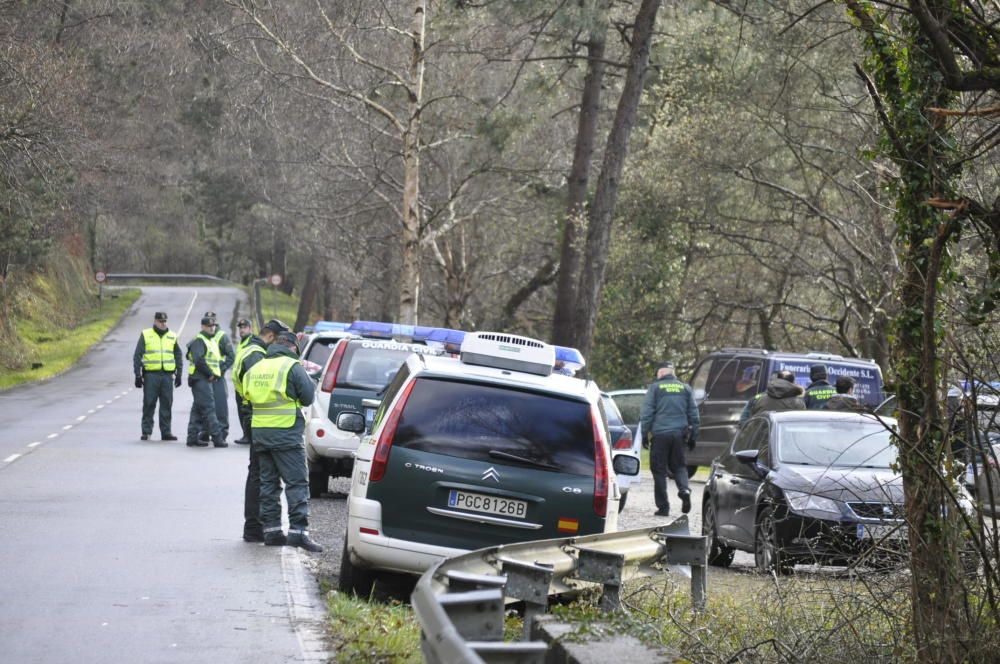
{"points": [[492, 474]]}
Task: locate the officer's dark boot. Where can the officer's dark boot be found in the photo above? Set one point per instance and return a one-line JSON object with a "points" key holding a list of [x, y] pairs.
{"points": [[220, 442], [275, 538], [686, 502], [302, 540]]}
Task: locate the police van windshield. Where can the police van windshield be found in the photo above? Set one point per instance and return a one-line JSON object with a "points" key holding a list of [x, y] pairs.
{"points": [[497, 425], [868, 378], [370, 364]]}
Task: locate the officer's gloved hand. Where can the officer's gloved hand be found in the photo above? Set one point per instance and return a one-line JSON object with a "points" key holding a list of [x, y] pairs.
{"points": [[177, 380], [138, 381], [690, 443]]}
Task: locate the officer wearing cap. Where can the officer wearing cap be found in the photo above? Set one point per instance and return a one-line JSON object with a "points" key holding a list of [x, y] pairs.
{"points": [[252, 350], [670, 415], [245, 330], [820, 390], [227, 357], [278, 387], [204, 369], [157, 364]]}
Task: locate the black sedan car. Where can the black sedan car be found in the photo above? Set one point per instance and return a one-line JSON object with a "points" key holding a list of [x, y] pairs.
{"points": [[805, 487]]}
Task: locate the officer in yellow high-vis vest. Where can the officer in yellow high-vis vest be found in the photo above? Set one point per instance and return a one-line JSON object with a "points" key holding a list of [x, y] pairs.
{"points": [[249, 343], [227, 356], [278, 387], [157, 364], [204, 369]]}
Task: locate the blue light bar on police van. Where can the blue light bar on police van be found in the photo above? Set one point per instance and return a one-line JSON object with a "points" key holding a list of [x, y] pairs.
{"points": [[329, 326], [446, 338], [380, 330], [568, 360]]}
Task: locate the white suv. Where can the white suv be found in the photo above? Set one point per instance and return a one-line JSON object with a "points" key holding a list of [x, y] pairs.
{"points": [[469, 452]]}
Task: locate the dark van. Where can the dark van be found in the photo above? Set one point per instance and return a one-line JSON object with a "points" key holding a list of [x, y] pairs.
{"points": [[725, 380]]}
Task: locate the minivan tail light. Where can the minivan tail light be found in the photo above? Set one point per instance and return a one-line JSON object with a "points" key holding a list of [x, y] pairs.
{"points": [[384, 445], [333, 367], [600, 465], [624, 441]]}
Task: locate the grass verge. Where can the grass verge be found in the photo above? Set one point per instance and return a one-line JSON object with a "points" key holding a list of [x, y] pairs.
{"points": [[53, 349], [275, 304]]}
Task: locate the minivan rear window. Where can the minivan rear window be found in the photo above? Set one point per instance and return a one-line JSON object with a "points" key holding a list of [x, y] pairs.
{"points": [[371, 364], [497, 425]]}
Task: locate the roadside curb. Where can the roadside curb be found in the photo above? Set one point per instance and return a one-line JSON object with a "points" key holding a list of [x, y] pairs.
{"points": [[306, 607]]}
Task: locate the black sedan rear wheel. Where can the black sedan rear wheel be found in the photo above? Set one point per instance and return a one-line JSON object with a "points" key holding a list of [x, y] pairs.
{"points": [[767, 554], [718, 555]]}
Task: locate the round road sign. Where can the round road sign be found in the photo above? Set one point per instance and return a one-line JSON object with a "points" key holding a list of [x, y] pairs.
{"points": [[100, 277], [275, 280]]}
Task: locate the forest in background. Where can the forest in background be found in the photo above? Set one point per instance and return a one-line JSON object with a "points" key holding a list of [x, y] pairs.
{"points": [[638, 178], [179, 137]]}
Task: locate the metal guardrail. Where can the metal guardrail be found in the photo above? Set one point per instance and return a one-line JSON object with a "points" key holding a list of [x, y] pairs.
{"points": [[172, 277], [459, 602]]}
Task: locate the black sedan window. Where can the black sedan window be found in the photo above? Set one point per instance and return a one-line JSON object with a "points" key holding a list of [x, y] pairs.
{"points": [[841, 444]]}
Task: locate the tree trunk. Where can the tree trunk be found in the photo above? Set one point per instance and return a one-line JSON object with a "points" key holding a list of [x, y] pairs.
{"points": [[409, 278], [308, 295], [563, 324], [606, 195]]}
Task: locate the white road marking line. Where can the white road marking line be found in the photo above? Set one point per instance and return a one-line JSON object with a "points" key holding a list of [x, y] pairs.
{"points": [[11, 458], [91, 412], [305, 608], [52, 435], [82, 418], [67, 427], [35, 444], [187, 313], [109, 401], [99, 406]]}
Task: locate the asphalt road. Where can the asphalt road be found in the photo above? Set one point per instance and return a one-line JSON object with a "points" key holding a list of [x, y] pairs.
{"points": [[116, 549]]}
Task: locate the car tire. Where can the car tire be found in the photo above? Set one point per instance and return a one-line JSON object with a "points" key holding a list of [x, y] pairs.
{"points": [[767, 555], [319, 482], [621, 502], [718, 554], [352, 579]]}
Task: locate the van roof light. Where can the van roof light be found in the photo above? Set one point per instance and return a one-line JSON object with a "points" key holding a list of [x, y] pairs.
{"points": [[329, 326], [381, 330], [508, 351], [446, 338], [568, 360]]}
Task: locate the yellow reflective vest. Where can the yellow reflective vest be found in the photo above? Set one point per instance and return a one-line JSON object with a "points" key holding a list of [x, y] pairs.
{"points": [[213, 357], [159, 353], [244, 350], [265, 386]]}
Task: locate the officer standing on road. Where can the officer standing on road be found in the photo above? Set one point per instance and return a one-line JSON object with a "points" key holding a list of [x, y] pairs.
{"points": [[203, 371], [820, 390], [278, 387], [252, 350], [245, 330], [670, 414], [157, 364], [227, 357]]}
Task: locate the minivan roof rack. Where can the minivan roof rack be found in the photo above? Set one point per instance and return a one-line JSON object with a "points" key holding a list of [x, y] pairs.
{"points": [[755, 351]]}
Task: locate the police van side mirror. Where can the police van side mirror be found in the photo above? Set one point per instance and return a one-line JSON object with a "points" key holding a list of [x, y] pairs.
{"points": [[353, 422], [625, 464]]}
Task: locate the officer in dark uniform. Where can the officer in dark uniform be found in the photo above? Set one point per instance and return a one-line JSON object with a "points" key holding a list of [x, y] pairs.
{"points": [[820, 390], [670, 414], [157, 363], [245, 330], [221, 394], [204, 370], [278, 387], [252, 349], [844, 399]]}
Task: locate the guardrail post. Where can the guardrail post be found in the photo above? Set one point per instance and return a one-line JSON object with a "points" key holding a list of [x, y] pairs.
{"points": [[476, 614], [528, 582], [605, 568], [688, 550]]}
